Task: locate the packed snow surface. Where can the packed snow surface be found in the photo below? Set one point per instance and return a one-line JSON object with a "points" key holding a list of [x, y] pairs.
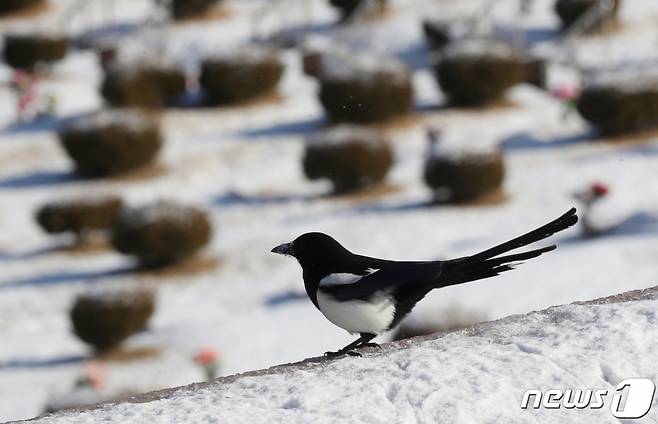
{"points": [[476, 375], [243, 165]]}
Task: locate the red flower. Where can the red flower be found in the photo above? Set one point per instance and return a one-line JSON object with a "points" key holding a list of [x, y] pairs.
{"points": [[599, 189]]}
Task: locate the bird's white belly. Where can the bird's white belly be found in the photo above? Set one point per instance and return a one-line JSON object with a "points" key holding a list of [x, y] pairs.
{"points": [[358, 316]]}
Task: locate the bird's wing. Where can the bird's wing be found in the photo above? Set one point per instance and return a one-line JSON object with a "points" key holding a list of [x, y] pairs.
{"points": [[389, 275]]}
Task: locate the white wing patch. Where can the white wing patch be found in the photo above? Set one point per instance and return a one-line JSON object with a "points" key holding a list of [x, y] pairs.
{"points": [[341, 278]]}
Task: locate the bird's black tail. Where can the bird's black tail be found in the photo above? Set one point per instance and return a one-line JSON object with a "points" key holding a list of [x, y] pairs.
{"points": [[488, 264]]}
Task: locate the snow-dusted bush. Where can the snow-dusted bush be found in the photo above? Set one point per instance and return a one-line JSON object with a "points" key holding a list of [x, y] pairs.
{"points": [[475, 72], [25, 51], [241, 76], [363, 89], [351, 158], [535, 71], [181, 9], [570, 11], [146, 86], [111, 142], [161, 233], [441, 32], [10, 6], [459, 175], [79, 216], [104, 320], [437, 33], [616, 109], [313, 49]]}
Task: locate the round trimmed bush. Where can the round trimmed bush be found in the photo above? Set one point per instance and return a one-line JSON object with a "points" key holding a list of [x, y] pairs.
{"points": [[348, 7], [476, 72], [79, 216], [437, 33], [181, 9], [161, 233], [105, 320], [570, 11], [351, 158], [460, 176], [11, 6], [615, 109], [240, 77], [26, 51], [441, 32], [111, 142], [148, 86], [363, 89], [313, 51]]}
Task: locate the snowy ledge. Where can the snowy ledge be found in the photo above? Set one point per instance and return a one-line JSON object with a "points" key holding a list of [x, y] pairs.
{"points": [[477, 374]]}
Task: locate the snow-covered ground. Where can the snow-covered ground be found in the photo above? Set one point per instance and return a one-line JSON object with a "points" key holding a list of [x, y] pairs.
{"points": [[475, 375], [244, 166]]}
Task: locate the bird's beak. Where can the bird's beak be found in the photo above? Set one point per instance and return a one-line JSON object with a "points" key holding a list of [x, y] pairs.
{"points": [[284, 249]]}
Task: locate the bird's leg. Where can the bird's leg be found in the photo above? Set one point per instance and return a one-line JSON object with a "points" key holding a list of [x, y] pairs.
{"points": [[366, 337], [363, 341], [349, 349]]}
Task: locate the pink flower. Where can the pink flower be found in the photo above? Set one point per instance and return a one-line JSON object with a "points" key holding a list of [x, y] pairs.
{"points": [[206, 356], [21, 77], [566, 92], [96, 373]]}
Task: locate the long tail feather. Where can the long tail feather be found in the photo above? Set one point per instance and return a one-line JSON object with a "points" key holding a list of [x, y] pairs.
{"points": [[488, 264], [562, 223]]}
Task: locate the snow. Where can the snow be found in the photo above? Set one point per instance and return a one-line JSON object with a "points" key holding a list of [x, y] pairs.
{"points": [[128, 119], [111, 297], [343, 134], [162, 210], [343, 64], [476, 47], [469, 376], [243, 164], [631, 79], [250, 54], [463, 145]]}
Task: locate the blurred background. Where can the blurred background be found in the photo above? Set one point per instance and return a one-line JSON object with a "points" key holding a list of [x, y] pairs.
{"points": [[152, 152]]}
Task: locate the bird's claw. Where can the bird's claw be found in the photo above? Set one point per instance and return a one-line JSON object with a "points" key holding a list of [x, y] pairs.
{"points": [[341, 353], [371, 344]]}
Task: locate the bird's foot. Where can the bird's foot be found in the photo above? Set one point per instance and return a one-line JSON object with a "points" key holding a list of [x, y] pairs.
{"points": [[341, 353], [371, 344]]}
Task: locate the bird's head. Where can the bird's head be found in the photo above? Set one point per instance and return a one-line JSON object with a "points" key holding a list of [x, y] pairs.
{"points": [[312, 249]]}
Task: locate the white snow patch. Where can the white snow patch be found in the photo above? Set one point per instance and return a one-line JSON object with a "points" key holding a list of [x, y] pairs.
{"points": [[469, 376]]}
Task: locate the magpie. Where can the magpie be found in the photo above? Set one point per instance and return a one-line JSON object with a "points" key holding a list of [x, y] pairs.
{"points": [[369, 296]]}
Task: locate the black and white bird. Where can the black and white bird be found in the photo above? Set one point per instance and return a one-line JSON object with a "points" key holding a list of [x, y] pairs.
{"points": [[369, 296]]}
